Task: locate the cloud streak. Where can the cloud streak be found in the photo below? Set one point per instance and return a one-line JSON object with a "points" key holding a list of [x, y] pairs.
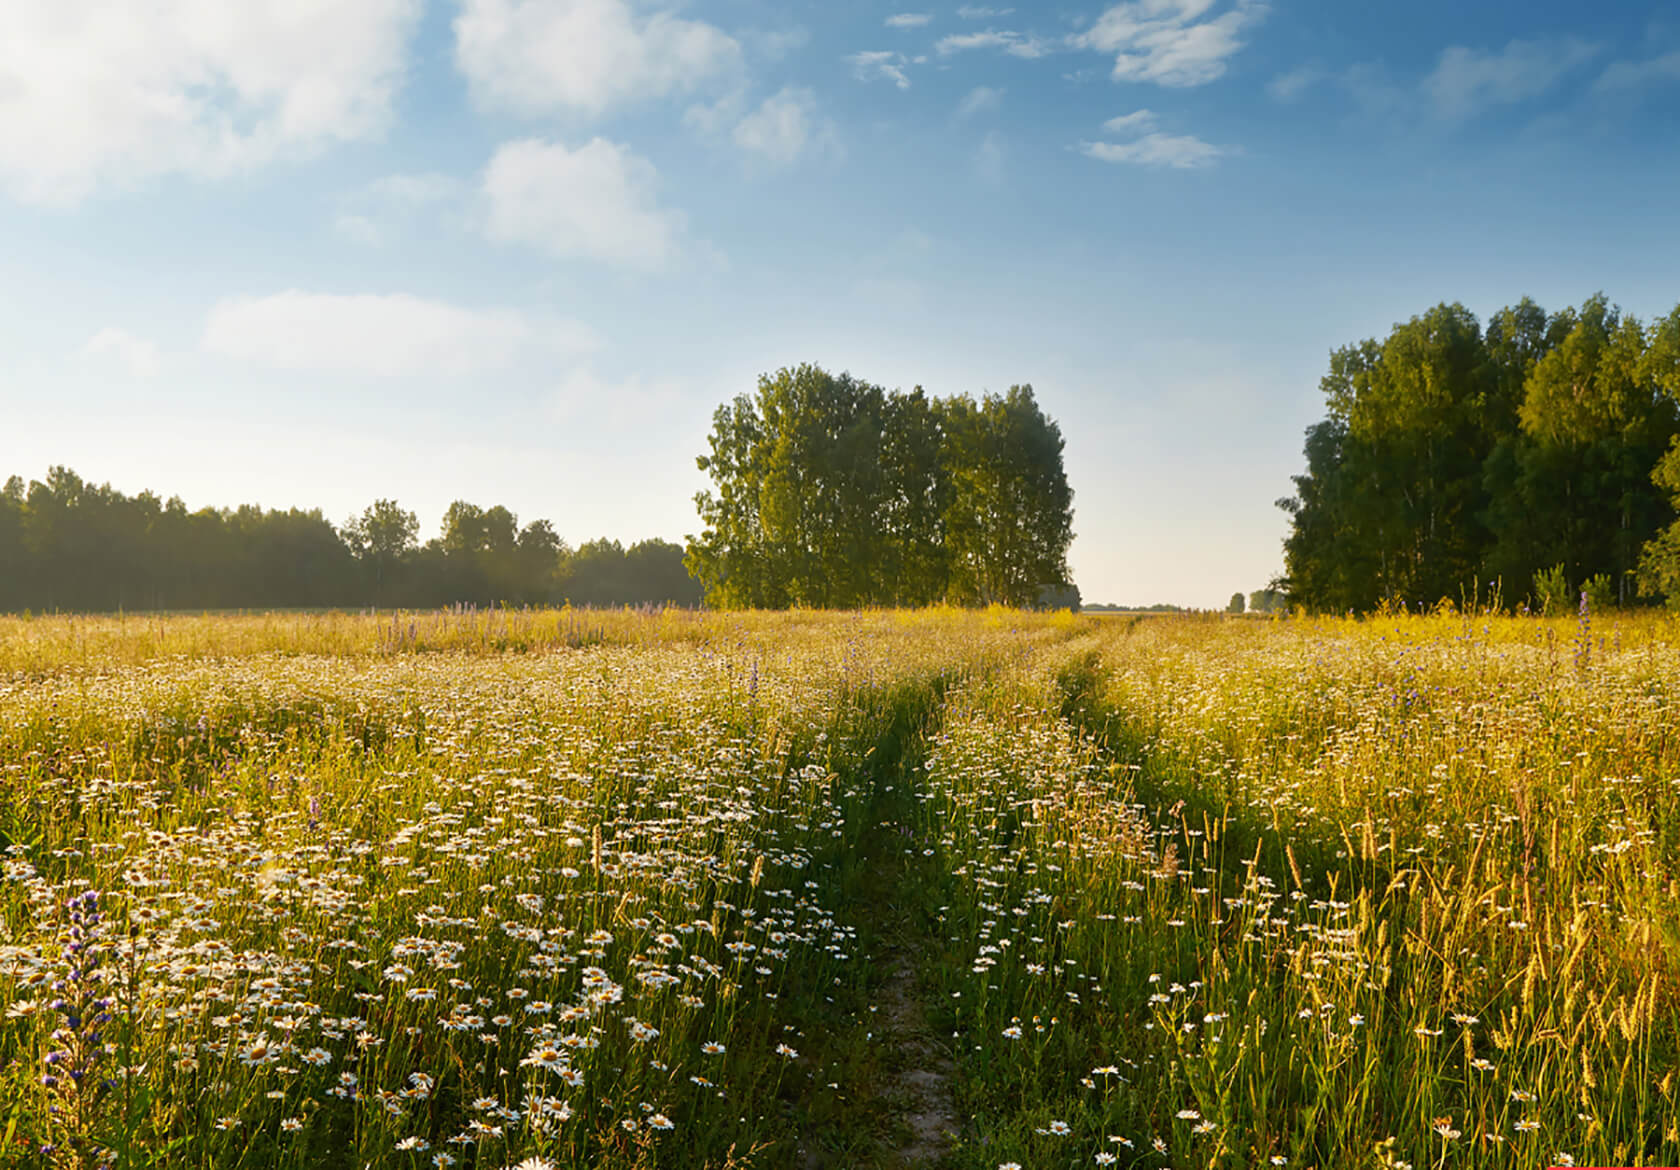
{"points": [[1170, 42], [382, 336], [1014, 43], [1467, 81], [1177, 151], [879, 64]]}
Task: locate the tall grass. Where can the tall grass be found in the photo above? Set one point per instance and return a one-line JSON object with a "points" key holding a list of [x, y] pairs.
{"points": [[580, 889]]}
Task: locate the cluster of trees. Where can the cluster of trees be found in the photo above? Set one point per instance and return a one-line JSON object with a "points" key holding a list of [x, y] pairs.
{"points": [[1537, 451], [70, 545], [832, 492]]}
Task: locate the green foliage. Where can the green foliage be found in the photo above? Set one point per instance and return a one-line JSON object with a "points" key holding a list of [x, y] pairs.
{"points": [[1552, 595], [829, 491], [1600, 592], [1452, 456], [1237, 604], [69, 545], [651, 572]]}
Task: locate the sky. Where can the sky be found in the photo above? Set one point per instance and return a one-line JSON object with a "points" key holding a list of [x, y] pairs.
{"points": [[317, 252]]}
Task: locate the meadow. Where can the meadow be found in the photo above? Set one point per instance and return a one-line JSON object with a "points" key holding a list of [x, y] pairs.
{"points": [[984, 890]]}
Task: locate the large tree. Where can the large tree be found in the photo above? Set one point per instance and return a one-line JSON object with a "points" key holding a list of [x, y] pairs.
{"points": [[1009, 517], [1450, 454], [829, 491]]}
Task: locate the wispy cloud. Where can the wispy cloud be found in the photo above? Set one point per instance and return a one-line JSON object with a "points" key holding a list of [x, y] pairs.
{"points": [[372, 214], [1622, 75], [970, 12], [1286, 87], [1467, 81], [1170, 42], [1136, 122], [786, 126], [1180, 151], [393, 335], [989, 160], [1014, 43], [137, 356], [980, 100], [908, 19], [876, 64]]}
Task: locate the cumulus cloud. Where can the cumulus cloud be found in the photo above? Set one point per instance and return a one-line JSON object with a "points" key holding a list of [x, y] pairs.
{"points": [[908, 19], [537, 57], [597, 202], [875, 64], [1467, 81], [96, 95], [784, 126], [137, 356], [1170, 42], [1180, 151], [393, 335]]}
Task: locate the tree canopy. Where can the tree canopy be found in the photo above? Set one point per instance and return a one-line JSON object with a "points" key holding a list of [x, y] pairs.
{"points": [[829, 491], [1453, 458], [66, 544]]}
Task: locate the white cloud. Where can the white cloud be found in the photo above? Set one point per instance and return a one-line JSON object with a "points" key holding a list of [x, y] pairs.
{"points": [[95, 94], [969, 12], [879, 63], [596, 202], [1009, 41], [545, 56], [1466, 81], [979, 100], [1180, 151], [1170, 42], [783, 126], [393, 335], [1135, 122], [908, 19], [137, 356], [1631, 74]]}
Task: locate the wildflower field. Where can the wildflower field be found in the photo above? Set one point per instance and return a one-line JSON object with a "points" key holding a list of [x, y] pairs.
{"points": [[980, 890]]}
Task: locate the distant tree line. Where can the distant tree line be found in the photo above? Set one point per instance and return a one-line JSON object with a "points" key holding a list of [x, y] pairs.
{"points": [[832, 492], [70, 545], [1158, 607], [1536, 457]]}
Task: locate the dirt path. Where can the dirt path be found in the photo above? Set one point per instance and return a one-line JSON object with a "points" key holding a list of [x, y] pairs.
{"points": [[923, 1089], [897, 1110]]}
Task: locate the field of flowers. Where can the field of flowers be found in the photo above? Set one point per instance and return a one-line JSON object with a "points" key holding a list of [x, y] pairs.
{"points": [[567, 889]]}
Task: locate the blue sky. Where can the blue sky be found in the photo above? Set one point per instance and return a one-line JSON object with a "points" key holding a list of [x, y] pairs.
{"points": [[517, 251]]}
